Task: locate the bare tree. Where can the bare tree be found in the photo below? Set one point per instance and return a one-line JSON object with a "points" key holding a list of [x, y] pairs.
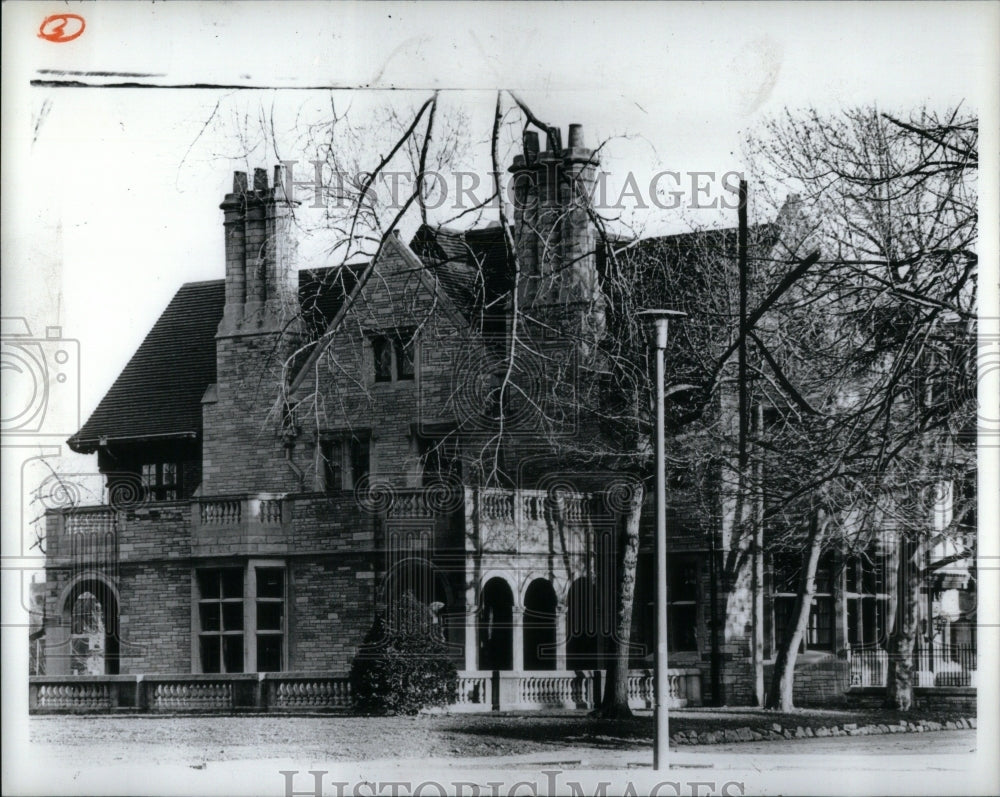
{"points": [[892, 204]]}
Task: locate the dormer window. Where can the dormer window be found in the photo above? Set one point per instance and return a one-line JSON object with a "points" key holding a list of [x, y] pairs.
{"points": [[394, 356], [161, 481]]}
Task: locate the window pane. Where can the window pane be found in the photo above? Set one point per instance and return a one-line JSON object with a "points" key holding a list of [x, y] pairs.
{"points": [[404, 358], [786, 573], [853, 630], [270, 583], [383, 360], [169, 474], [333, 464], [821, 624], [210, 660], [268, 653], [232, 616], [209, 616], [232, 583], [359, 459], [783, 608], [824, 575], [681, 627], [851, 575], [682, 580], [269, 616], [208, 583], [232, 653]]}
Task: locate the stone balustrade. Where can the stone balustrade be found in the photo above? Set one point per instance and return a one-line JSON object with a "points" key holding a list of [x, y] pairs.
{"points": [[90, 520], [478, 690], [307, 692], [684, 686]]}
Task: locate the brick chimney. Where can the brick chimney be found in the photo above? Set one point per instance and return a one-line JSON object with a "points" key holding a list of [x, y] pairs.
{"points": [[261, 270], [242, 438], [554, 234]]}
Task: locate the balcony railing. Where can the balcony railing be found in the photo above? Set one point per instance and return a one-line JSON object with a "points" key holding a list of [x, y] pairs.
{"points": [[945, 665]]}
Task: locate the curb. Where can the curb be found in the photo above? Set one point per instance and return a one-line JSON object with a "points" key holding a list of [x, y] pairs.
{"points": [[775, 732]]}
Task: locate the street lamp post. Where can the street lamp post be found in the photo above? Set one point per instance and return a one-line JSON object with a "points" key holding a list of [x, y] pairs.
{"points": [[660, 320]]}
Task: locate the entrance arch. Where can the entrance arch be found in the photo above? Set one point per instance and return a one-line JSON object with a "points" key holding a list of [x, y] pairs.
{"points": [[91, 613], [496, 626], [540, 630]]}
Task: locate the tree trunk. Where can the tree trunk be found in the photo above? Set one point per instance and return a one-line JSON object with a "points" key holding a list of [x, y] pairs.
{"points": [[615, 702], [780, 695], [905, 618]]}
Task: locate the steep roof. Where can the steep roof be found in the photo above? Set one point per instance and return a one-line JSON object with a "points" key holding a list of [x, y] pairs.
{"points": [[158, 393], [469, 264]]}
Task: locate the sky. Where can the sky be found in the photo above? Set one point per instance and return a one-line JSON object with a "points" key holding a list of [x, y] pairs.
{"points": [[117, 196]]}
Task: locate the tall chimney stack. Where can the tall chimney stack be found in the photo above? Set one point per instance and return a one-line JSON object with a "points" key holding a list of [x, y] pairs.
{"points": [[261, 272], [555, 235]]}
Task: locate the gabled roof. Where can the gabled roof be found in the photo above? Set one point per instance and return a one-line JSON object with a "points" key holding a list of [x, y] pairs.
{"points": [[469, 264], [159, 392]]}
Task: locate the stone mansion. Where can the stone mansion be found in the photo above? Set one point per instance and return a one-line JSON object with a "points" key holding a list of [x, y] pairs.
{"points": [[292, 445]]}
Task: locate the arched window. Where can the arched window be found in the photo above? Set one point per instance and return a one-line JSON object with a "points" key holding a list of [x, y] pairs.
{"points": [[93, 619]]}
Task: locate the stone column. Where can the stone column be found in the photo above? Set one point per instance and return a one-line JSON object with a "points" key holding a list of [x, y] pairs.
{"points": [[517, 636], [562, 635], [471, 625]]}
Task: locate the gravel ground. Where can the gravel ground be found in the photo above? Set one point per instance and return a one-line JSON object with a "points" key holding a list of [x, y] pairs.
{"points": [[186, 739]]}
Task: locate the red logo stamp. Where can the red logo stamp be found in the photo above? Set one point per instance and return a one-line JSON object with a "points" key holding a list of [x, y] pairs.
{"points": [[61, 27]]}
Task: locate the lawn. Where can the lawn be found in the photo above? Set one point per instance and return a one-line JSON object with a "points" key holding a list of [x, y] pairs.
{"points": [[190, 738]]}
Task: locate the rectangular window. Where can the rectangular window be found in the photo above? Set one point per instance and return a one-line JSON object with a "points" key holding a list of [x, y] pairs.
{"points": [[270, 618], [867, 595], [346, 460], [394, 356], [241, 630], [383, 359], [440, 462], [220, 613], [785, 577], [682, 603], [404, 357], [360, 459], [333, 464], [161, 480]]}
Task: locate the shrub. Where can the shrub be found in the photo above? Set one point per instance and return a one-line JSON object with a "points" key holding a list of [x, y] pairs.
{"points": [[403, 664]]}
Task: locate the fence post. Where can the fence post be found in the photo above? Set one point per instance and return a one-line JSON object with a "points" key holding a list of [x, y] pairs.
{"points": [[141, 702], [598, 684]]}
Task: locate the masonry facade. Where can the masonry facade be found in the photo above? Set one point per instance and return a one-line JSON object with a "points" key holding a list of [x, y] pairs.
{"points": [[292, 449]]}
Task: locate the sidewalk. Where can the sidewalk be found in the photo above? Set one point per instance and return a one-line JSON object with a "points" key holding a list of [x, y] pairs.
{"points": [[933, 763]]}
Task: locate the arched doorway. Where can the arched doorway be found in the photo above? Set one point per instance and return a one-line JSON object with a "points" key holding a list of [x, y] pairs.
{"points": [[583, 627], [416, 576], [540, 626], [496, 626], [92, 610]]}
